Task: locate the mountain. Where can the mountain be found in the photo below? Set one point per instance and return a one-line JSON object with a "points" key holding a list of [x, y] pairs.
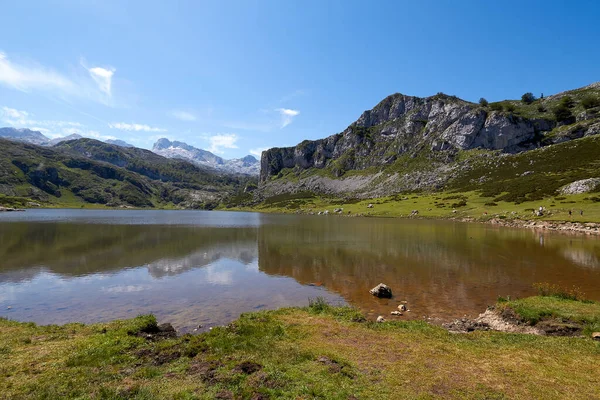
{"points": [[248, 165], [407, 143], [118, 142], [89, 171], [56, 141], [24, 135]]}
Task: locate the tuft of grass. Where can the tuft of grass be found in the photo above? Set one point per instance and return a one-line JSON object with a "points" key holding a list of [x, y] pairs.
{"points": [[554, 290]]}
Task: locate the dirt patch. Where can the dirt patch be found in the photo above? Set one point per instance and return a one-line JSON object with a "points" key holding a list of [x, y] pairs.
{"points": [[206, 370], [506, 320], [153, 333], [248, 367], [492, 320], [554, 327]]}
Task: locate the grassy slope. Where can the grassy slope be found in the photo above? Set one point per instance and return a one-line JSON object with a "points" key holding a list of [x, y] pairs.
{"points": [[517, 184], [107, 175], [316, 352]]}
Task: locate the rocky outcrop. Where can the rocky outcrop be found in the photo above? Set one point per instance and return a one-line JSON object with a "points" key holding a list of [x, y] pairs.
{"points": [[582, 186], [408, 125]]}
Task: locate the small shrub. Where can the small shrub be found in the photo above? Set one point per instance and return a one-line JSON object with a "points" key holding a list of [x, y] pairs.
{"points": [[496, 107], [483, 102], [461, 203], [541, 108], [528, 98], [509, 107], [490, 204], [567, 101], [590, 102]]}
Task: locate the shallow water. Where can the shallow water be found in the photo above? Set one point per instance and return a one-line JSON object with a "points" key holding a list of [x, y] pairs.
{"points": [[199, 267]]}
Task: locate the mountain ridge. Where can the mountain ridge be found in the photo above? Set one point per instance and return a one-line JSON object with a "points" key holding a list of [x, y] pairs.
{"points": [[408, 143], [247, 165]]}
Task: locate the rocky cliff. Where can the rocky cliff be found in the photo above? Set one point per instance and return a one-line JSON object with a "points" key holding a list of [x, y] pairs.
{"points": [[402, 131]]}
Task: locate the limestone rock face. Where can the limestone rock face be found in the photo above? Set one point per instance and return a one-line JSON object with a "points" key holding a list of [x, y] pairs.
{"points": [[407, 125]]}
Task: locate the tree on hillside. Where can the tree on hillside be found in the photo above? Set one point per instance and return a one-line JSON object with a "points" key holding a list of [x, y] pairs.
{"points": [[563, 114], [528, 98], [483, 102]]}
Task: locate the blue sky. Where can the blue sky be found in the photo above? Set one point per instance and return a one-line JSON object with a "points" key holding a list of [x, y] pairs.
{"points": [[235, 77]]}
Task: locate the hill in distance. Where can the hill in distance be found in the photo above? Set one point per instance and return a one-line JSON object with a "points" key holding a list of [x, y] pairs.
{"points": [[83, 171]]}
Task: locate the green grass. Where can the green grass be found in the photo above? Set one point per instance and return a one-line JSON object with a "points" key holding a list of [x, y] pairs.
{"points": [[316, 352], [535, 309]]}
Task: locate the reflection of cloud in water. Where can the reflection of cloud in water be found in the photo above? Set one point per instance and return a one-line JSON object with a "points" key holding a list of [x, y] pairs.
{"points": [[125, 288], [246, 253], [22, 275], [217, 276], [581, 257]]}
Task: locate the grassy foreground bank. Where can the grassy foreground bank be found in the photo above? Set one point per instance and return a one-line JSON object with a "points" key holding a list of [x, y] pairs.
{"points": [[315, 352]]}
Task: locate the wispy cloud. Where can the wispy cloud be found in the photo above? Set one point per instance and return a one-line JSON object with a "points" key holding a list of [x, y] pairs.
{"points": [[272, 119], [293, 95], [222, 141], [27, 77], [183, 115], [103, 77], [287, 115], [24, 119], [95, 83], [258, 151], [135, 127]]}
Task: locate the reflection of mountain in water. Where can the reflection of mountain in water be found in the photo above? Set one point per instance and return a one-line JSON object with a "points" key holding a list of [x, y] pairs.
{"points": [[581, 257], [244, 252], [80, 249], [440, 266], [435, 265]]}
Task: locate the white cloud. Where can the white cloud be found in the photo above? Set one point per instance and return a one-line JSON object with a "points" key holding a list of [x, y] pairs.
{"points": [[103, 78], [28, 77], [125, 288], [11, 113], [258, 151], [183, 115], [222, 141], [24, 119], [287, 115], [135, 127]]}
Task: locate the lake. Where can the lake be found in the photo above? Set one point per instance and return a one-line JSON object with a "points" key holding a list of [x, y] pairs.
{"points": [[205, 268]]}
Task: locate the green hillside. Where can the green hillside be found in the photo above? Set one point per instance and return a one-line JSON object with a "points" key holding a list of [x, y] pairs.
{"points": [[87, 171]]}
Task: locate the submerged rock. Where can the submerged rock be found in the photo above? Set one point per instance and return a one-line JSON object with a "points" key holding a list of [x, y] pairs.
{"points": [[381, 291], [402, 307]]}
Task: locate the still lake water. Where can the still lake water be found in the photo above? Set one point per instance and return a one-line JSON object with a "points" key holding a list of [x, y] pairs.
{"points": [[200, 267]]}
